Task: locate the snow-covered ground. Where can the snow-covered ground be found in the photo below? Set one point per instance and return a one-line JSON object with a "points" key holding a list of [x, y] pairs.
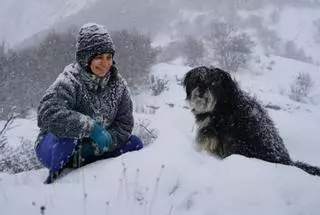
{"points": [[171, 177]]}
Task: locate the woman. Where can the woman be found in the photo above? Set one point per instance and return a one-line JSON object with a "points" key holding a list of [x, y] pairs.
{"points": [[86, 114]]}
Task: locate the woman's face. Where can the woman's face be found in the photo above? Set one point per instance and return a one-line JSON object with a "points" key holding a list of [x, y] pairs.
{"points": [[101, 64]]}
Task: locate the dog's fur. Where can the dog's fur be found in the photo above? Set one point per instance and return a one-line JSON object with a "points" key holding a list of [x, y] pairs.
{"points": [[231, 122]]}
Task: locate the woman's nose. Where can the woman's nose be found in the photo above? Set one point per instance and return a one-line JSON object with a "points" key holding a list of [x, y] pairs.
{"points": [[104, 61]]}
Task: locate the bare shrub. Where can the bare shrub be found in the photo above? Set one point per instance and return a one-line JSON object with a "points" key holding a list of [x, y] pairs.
{"points": [[158, 85], [193, 51], [316, 24], [232, 49], [20, 159], [143, 129], [134, 56], [293, 52], [170, 52], [301, 87], [269, 39]]}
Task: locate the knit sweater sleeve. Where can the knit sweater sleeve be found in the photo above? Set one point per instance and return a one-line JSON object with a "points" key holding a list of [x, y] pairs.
{"points": [[56, 110], [122, 126]]}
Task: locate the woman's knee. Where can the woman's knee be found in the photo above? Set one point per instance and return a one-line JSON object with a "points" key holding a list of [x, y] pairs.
{"points": [[44, 149], [52, 150], [134, 143]]}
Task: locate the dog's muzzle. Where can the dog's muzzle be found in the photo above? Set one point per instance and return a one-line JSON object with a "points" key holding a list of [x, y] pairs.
{"points": [[201, 103]]}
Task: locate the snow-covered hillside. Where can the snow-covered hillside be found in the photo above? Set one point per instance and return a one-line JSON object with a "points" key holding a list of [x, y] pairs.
{"points": [[292, 24], [297, 25], [171, 177], [20, 20]]}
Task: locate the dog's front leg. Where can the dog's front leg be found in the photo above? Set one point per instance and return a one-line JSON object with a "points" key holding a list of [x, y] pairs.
{"points": [[231, 146], [207, 140]]}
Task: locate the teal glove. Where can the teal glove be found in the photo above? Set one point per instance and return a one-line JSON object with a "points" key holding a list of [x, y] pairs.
{"points": [[101, 137]]}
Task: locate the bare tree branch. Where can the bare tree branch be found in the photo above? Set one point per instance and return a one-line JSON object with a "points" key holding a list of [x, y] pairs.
{"points": [[153, 136], [11, 118]]}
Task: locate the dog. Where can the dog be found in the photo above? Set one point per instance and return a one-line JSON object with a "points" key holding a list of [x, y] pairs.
{"points": [[230, 121]]}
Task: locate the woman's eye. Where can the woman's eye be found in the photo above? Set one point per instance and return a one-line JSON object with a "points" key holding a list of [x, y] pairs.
{"points": [[100, 57]]}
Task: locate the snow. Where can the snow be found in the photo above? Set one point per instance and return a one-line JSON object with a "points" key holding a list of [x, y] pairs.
{"points": [[21, 129], [100, 29], [171, 177], [33, 16], [298, 29], [295, 24], [275, 84]]}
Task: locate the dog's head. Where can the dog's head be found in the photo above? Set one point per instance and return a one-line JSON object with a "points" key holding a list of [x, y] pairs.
{"points": [[206, 87]]}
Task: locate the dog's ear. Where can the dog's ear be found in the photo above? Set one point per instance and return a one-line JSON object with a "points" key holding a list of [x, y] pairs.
{"points": [[186, 78], [223, 75], [227, 86], [187, 84]]}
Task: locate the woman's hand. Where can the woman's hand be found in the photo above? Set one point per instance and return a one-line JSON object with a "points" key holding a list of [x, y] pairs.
{"points": [[101, 137]]}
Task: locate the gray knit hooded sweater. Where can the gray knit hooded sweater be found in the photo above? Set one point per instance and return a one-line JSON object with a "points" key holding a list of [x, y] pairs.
{"points": [[78, 98]]}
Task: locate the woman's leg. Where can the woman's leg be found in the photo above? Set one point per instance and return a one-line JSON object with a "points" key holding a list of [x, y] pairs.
{"points": [[54, 152], [44, 149], [134, 143]]}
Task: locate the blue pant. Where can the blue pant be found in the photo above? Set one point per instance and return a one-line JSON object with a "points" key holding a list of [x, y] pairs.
{"points": [[54, 153]]}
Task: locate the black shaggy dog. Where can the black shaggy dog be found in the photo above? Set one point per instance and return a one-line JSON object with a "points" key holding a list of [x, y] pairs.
{"points": [[231, 122]]}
